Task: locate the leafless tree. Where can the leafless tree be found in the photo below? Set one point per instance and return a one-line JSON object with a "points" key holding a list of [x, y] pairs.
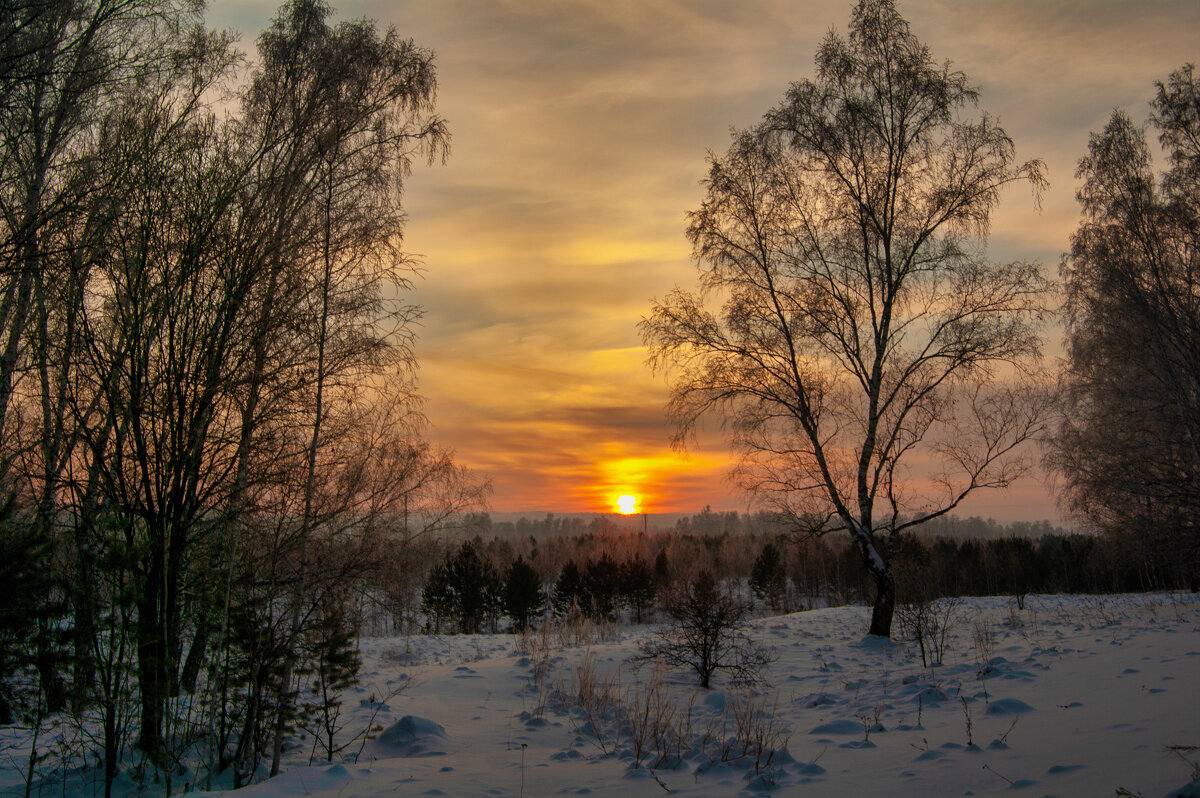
{"points": [[367, 101], [705, 633], [161, 332], [867, 360], [59, 61], [1128, 446], [207, 394]]}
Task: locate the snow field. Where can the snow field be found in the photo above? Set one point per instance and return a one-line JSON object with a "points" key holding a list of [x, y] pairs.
{"points": [[1071, 696]]}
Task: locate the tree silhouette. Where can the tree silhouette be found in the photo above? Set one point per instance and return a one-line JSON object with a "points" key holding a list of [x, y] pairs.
{"points": [[768, 577], [464, 588], [522, 593], [705, 633], [1128, 446], [847, 321], [638, 586], [569, 594], [601, 587]]}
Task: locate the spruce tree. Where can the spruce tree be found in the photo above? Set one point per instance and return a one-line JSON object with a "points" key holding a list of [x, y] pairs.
{"points": [[568, 590], [768, 577], [522, 593]]}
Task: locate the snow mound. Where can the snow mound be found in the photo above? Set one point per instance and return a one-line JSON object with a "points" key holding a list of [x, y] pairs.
{"points": [[1008, 706], [410, 736], [844, 726], [931, 695]]}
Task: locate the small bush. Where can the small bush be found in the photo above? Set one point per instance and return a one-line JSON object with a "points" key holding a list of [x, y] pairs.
{"points": [[704, 634], [928, 624]]}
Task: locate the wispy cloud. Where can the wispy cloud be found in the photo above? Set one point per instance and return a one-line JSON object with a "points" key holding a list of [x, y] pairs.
{"points": [[579, 137]]}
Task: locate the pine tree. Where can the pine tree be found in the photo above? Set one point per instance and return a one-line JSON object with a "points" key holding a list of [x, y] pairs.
{"points": [[768, 577], [568, 590], [27, 619], [638, 586], [522, 593], [662, 571], [601, 587], [333, 662], [464, 589]]}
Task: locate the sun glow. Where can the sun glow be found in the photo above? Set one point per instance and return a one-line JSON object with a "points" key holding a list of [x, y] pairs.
{"points": [[627, 504]]}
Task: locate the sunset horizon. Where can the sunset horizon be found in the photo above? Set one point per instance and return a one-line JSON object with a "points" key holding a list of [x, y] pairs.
{"points": [[579, 140], [541, 397]]}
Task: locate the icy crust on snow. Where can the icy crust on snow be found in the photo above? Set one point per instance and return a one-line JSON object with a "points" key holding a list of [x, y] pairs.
{"points": [[1071, 696]]}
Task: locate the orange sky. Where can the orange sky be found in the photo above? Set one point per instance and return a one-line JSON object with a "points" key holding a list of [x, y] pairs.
{"points": [[579, 137]]}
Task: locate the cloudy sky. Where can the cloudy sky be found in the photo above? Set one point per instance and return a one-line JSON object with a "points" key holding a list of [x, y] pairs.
{"points": [[580, 130]]}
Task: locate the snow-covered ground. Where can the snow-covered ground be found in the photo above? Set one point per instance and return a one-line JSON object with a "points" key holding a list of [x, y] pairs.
{"points": [[1081, 696], [1071, 696]]}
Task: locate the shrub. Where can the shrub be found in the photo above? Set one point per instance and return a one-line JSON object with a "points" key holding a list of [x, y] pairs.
{"points": [[704, 633]]}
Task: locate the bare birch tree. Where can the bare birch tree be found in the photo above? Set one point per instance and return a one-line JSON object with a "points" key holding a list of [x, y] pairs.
{"points": [[59, 61], [366, 104], [849, 329], [1128, 446], [206, 350]]}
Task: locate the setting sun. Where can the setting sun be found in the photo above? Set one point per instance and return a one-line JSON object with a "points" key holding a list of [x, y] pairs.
{"points": [[627, 504]]}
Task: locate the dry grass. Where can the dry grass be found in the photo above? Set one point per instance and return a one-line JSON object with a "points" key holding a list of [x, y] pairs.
{"points": [[657, 729]]}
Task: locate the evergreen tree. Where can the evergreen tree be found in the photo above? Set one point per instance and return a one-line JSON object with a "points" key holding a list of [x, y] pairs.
{"points": [[768, 577], [662, 571], [601, 587], [436, 597], [638, 586], [522, 593], [568, 590], [334, 662], [464, 589], [28, 620]]}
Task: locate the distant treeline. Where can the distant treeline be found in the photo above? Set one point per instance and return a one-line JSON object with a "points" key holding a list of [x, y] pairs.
{"points": [[557, 566], [710, 522]]}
